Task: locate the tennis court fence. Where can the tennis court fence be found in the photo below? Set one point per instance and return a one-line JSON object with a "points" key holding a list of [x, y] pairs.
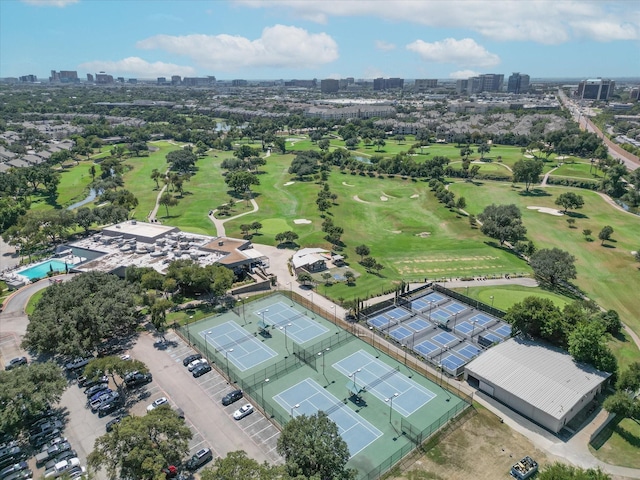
{"points": [[305, 355], [470, 301]]}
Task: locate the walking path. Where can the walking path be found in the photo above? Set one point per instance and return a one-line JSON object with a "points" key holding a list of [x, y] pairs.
{"points": [[219, 223]]}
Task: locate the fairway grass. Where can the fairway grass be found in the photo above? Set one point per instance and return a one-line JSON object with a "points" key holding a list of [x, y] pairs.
{"points": [[606, 273], [505, 296]]}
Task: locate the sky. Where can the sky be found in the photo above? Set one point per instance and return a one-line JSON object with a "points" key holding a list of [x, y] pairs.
{"points": [[305, 39]]}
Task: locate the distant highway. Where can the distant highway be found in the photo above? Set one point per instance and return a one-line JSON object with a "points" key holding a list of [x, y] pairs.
{"points": [[630, 161]]}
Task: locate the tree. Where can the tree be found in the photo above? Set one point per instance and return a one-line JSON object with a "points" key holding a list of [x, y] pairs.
{"points": [[326, 276], [256, 226], [569, 200], [369, 263], [140, 447], [26, 391], [536, 317], [611, 321], [312, 447], [561, 471], [605, 234], [159, 313], [587, 343], [286, 237], [622, 405], [483, 148], [571, 222], [167, 200], [182, 160], [156, 175], [237, 466], [350, 277], [113, 366], [553, 265], [587, 234], [85, 218], [305, 278], [502, 222], [74, 317], [363, 251], [241, 181], [527, 171], [465, 152], [629, 379]]}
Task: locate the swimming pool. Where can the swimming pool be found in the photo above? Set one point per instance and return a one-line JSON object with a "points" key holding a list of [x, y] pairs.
{"points": [[42, 269]]}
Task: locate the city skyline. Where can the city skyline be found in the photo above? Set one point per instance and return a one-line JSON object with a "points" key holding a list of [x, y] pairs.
{"points": [[285, 39]]}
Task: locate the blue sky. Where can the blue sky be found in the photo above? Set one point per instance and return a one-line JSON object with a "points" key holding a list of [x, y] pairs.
{"points": [[302, 39]]}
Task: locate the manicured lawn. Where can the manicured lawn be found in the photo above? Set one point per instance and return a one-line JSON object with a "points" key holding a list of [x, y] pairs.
{"points": [[33, 300], [74, 183], [578, 170], [621, 448], [504, 296], [608, 273]]}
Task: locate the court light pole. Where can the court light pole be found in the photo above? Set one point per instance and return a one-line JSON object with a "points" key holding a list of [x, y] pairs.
{"points": [[354, 378], [284, 327], [290, 292], [266, 380], [226, 356], [335, 316], [206, 343], [297, 405], [311, 296], [473, 327], [262, 313], [404, 347], [373, 338], [244, 318], [390, 401], [322, 354], [491, 297]]}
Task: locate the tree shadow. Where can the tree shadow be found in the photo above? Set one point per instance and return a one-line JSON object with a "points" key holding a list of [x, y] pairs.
{"points": [[536, 192], [606, 245], [573, 214]]}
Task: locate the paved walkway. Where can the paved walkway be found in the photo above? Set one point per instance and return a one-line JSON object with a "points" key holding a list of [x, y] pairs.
{"points": [[219, 222]]}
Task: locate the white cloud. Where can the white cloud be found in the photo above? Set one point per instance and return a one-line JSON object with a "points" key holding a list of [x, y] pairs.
{"points": [[385, 46], [463, 74], [542, 21], [279, 46], [50, 3], [137, 67], [465, 52]]}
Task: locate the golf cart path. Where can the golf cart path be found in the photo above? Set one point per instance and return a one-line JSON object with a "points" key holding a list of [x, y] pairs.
{"points": [[219, 223]]}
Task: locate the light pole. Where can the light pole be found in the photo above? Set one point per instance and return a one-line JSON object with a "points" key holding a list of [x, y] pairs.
{"points": [[440, 367], [226, 356], [266, 380], [312, 312], [467, 290], [335, 317], [354, 378], [291, 292], [206, 343], [404, 347], [264, 325], [285, 335], [491, 297], [473, 328], [390, 400], [322, 354], [244, 318], [297, 405]]}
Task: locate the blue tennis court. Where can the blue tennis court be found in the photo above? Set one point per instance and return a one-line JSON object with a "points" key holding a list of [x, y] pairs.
{"points": [[433, 297], [308, 398], [418, 324], [468, 351], [419, 305], [241, 348], [454, 307], [400, 333], [379, 321], [372, 375], [503, 330], [302, 328], [398, 314], [464, 327], [481, 319], [440, 315], [451, 362], [445, 338], [426, 348], [491, 337]]}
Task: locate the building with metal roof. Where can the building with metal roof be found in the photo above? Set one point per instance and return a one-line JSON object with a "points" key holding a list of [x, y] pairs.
{"points": [[540, 382]]}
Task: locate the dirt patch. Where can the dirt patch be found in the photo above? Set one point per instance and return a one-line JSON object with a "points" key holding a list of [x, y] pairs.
{"points": [[288, 183], [395, 231], [347, 185], [388, 196], [550, 211], [383, 198], [479, 447], [415, 195], [301, 221], [423, 234], [358, 199]]}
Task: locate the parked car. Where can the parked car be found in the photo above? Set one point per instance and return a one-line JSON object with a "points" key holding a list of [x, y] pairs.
{"points": [[11, 455], [110, 406], [201, 370], [19, 475], [195, 363], [138, 379], [156, 403], [77, 363], [84, 382], [62, 467], [191, 358], [111, 423], [39, 439], [94, 389], [99, 394], [16, 467], [51, 452], [201, 457], [46, 427], [16, 362], [243, 411], [105, 399], [231, 397], [60, 457]]}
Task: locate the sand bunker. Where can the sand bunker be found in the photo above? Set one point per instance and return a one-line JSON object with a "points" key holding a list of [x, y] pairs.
{"points": [[301, 221], [358, 199], [550, 211], [423, 234], [289, 183], [561, 157], [347, 185], [415, 195], [528, 155], [395, 231], [387, 195], [383, 198]]}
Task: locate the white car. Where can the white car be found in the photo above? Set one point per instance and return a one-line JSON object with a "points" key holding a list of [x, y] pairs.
{"points": [[243, 411], [157, 403], [125, 357], [195, 363]]}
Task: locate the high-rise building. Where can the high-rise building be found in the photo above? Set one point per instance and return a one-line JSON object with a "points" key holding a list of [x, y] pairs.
{"points": [[64, 76], [425, 84], [89, 77], [103, 78], [176, 80], [634, 95], [387, 83], [197, 81], [462, 85], [329, 85], [596, 89], [518, 83], [239, 82], [28, 78]]}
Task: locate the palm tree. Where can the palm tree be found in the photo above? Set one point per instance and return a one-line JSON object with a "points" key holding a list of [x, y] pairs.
{"points": [[168, 200]]}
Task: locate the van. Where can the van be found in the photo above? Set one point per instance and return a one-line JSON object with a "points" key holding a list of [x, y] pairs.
{"points": [[201, 457]]}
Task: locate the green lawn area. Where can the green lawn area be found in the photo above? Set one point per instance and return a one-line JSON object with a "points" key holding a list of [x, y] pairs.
{"points": [[608, 274], [33, 300], [504, 296], [578, 170], [621, 445]]}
